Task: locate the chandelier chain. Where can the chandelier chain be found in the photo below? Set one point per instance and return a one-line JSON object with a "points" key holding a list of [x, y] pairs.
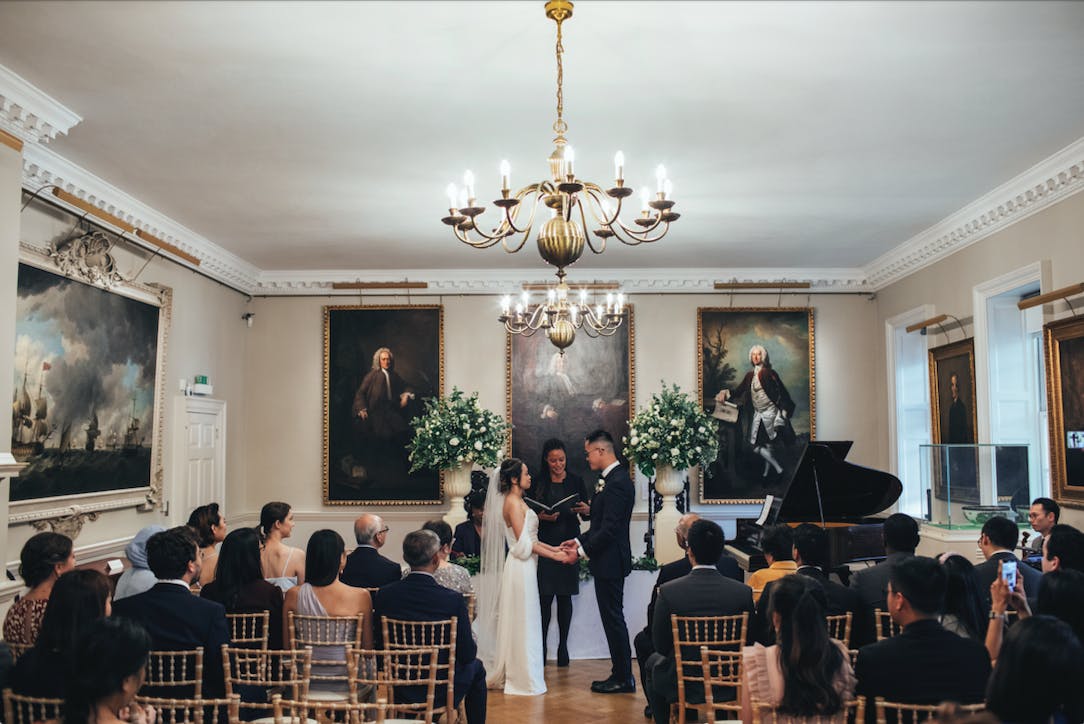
{"points": [[559, 126]]}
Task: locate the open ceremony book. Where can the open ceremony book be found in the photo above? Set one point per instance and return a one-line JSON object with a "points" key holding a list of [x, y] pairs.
{"points": [[541, 507]]}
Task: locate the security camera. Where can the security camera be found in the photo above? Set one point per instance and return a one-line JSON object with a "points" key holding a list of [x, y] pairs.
{"points": [[248, 317]]}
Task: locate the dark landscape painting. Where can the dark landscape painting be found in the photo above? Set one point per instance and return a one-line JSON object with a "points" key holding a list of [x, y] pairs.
{"points": [[567, 396], [369, 415], [84, 401]]}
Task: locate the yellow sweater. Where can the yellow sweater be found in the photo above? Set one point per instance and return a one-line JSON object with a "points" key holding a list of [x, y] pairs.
{"points": [[764, 576]]}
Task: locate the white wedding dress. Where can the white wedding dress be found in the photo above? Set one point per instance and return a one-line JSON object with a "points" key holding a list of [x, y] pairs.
{"points": [[517, 650]]}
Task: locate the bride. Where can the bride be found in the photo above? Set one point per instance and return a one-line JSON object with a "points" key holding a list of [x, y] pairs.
{"points": [[508, 618]]}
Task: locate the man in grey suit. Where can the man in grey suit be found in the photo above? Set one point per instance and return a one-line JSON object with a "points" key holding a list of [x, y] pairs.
{"points": [[901, 539], [703, 592], [997, 541]]}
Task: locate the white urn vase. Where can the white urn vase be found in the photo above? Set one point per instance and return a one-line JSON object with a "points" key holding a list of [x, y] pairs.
{"points": [[456, 485], [669, 484]]}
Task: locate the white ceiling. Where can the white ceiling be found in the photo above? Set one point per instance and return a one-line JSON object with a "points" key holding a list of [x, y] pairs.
{"points": [[303, 136]]}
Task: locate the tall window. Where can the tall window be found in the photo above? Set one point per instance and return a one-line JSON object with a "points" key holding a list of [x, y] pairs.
{"points": [[909, 385]]}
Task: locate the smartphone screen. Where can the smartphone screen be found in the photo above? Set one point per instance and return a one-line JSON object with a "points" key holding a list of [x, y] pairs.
{"points": [[1008, 572]]}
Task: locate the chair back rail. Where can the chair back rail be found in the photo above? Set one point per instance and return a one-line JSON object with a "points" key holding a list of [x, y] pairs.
{"points": [[894, 712], [853, 712], [250, 673], [839, 627], [179, 673], [886, 627], [692, 634], [405, 678], [19, 709], [194, 711], [249, 629], [329, 637]]}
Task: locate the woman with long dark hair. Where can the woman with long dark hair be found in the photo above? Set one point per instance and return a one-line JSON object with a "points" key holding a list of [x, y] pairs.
{"points": [[239, 584], [555, 579], [1038, 674], [806, 673], [45, 557], [79, 599], [210, 527], [963, 613], [109, 668]]}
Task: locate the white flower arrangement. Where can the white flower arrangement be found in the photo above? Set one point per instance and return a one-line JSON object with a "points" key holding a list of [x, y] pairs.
{"points": [[672, 430], [455, 430]]}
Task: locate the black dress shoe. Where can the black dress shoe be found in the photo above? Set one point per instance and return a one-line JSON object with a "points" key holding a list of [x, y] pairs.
{"points": [[601, 682], [562, 656], [616, 687]]}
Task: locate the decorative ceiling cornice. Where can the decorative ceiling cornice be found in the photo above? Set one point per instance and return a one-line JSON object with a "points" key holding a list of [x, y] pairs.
{"points": [[30, 114], [505, 281], [1045, 183], [42, 167]]}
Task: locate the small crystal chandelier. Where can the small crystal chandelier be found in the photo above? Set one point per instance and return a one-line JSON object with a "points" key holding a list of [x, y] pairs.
{"points": [[561, 238], [560, 316]]}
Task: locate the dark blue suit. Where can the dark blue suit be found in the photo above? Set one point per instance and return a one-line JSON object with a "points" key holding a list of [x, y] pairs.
{"points": [[609, 555], [419, 597], [175, 620], [366, 568]]}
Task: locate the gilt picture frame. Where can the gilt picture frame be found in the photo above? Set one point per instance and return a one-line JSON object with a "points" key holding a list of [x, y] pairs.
{"points": [[369, 408], [1064, 347], [726, 338], [550, 395], [954, 421]]}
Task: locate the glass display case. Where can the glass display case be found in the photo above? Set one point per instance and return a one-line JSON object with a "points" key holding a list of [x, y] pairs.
{"points": [[964, 485]]}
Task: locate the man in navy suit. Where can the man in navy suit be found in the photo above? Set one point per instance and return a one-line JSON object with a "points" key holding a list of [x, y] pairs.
{"points": [[419, 597], [365, 567], [606, 546], [174, 618]]}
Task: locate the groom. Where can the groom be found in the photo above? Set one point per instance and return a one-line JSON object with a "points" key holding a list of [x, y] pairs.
{"points": [[606, 545]]}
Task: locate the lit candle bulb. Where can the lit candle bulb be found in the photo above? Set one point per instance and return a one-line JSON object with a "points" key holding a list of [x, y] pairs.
{"points": [[519, 309], [598, 311], [506, 170], [506, 304], [550, 295], [526, 300], [570, 158], [609, 302], [572, 315], [668, 189], [660, 176], [645, 199], [619, 166], [450, 190], [468, 181], [463, 198], [620, 302], [583, 296]]}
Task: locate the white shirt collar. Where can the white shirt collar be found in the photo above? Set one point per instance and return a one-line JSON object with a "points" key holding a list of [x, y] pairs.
{"points": [[176, 582], [610, 467], [703, 565]]}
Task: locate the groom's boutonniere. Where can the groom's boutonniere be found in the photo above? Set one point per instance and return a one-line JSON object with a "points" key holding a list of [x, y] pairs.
{"points": [[601, 484]]}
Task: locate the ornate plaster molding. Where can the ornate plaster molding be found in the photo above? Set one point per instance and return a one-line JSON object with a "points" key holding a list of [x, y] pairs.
{"points": [[42, 167], [30, 114], [490, 282], [69, 519], [1046, 183]]}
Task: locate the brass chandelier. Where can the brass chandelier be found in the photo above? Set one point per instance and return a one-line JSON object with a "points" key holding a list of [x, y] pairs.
{"points": [[561, 316], [562, 237]]}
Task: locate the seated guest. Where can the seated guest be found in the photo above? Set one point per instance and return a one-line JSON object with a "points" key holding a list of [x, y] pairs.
{"points": [[323, 594], [467, 538], [171, 615], [924, 664], [900, 533], [448, 574], [669, 572], [810, 554], [997, 542], [815, 678], [1060, 594], [1037, 677], [964, 613], [777, 542], [283, 565], [45, 557], [703, 592], [239, 584], [109, 669], [365, 567], [79, 599], [418, 597], [210, 529], [1063, 547], [1042, 516], [139, 577]]}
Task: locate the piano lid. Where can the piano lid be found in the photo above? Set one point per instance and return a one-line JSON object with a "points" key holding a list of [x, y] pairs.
{"points": [[848, 492]]}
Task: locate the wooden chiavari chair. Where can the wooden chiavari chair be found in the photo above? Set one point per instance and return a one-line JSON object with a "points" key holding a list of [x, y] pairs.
{"points": [[249, 629], [839, 627], [251, 673], [853, 712], [886, 627], [915, 713], [19, 709], [176, 673], [194, 711], [691, 635], [406, 679], [329, 637], [441, 635]]}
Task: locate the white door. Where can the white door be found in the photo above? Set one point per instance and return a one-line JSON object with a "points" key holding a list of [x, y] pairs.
{"points": [[201, 464]]}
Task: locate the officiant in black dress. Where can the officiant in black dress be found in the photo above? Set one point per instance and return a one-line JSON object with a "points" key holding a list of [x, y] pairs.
{"points": [[554, 483]]}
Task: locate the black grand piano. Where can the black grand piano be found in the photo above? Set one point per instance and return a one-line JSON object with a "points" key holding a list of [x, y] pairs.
{"points": [[825, 490]]}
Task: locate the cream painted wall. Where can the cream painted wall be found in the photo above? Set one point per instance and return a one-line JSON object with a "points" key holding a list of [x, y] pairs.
{"points": [[285, 387], [207, 336], [1056, 235]]}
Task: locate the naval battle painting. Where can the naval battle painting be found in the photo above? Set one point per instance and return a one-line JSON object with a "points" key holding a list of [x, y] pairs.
{"points": [[83, 408]]}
